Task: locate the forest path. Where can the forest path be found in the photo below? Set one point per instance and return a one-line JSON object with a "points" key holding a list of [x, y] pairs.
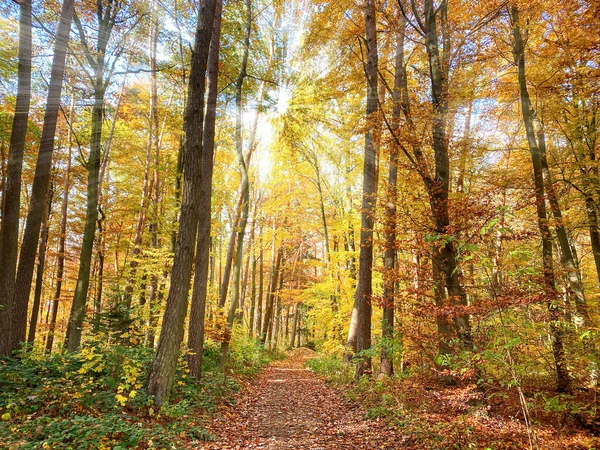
{"points": [[289, 407]]}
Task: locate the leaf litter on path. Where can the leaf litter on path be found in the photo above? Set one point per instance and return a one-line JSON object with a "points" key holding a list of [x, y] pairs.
{"points": [[289, 407]]}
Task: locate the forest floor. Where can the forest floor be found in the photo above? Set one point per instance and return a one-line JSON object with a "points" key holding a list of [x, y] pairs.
{"points": [[289, 407]]}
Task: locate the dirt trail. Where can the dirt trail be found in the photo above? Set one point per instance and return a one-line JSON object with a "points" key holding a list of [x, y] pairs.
{"points": [[288, 407]]}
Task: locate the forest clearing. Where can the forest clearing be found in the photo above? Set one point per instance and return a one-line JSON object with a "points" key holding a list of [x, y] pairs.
{"points": [[312, 224]]}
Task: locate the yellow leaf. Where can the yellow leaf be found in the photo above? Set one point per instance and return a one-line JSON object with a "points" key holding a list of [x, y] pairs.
{"points": [[121, 399]]}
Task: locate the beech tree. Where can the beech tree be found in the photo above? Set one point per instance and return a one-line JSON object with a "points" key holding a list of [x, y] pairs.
{"points": [[11, 195], [41, 183], [165, 359]]}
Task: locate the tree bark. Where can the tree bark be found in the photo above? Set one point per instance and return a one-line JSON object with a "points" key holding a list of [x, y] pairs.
{"points": [[252, 297], [389, 254], [165, 359], [267, 321], [11, 192], [198, 308], [261, 277], [41, 181], [563, 378], [361, 340], [60, 257], [580, 316], [39, 276], [294, 326]]}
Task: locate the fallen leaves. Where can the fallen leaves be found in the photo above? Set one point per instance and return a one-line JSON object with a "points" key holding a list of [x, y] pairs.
{"points": [[288, 407]]}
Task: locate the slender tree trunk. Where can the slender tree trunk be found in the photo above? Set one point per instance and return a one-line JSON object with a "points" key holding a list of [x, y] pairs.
{"points": [[465, 148], [100, 238], [268, 317], [165, 359], [286, 333], [141, 221], [11, 192], [229, 257], [252, 297], [198, 308], [360, 337], [389, 254], [101, 251], [261, 273], [594, 228], [444, 256], [275, 340], [77, 314], [580, 316], [60, 257], [294, 326], [39, 277], [563, 377], [41, 181]]}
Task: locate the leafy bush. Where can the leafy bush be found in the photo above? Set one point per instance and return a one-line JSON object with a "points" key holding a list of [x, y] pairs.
{"points": [[95, 398], [332, 368]]}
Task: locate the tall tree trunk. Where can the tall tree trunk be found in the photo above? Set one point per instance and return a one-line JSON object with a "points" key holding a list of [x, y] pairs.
{"points": [[199, 292], [444, 256], [100, 252], [141, 220], [268, 317], [389, 254], [294, 326], [563, 377], [165, 359], [60, 257], [156, 145], [252, 297], [77, 314], [39, 277], [580, 316], [100, 238], [594, 227], [261, 278], [107, 15], [11, 192], [41, 180], [362, 310], [230, 255]]}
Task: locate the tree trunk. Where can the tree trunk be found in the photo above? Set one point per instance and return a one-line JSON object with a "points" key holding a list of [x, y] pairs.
{"points": [[267, 321], [261, 277], [141, 220], [294, 326], [580, 316], [198, 308], [594, 228], [60, 257], [11, 192], [389, 254], [252, 297], [362, 310], [41, 180], [165, 359], [77, 314], [39, 277], [563, 377]]}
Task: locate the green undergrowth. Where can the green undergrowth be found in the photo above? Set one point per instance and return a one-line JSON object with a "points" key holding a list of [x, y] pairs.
{"points": [[95, 398]]}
